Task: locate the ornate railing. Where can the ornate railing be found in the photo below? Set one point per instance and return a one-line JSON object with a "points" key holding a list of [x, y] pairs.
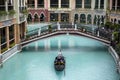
{"points": [[88, 30]]}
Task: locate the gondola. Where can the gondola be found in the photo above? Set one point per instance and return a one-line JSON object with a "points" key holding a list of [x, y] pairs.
{"points": [[59, 63]]}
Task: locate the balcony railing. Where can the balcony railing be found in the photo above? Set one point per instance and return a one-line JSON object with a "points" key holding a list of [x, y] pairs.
{"points": [[78, 5], [10, 7], [40, 5], [6, 17], [22, 18], [54, 5], [31, 5], [2, 7]]}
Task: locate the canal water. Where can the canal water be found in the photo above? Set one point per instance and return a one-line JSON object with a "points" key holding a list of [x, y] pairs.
{"points": [[86, 59]]}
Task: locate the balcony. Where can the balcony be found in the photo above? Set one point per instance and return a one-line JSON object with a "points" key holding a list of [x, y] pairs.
{"points": [[6, 17], [22, 18], [40, 5], [31, 6]]}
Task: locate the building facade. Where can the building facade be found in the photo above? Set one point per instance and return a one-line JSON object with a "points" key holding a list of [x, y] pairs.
{"points": [[80, 11], [114, 11], [12, 23]]}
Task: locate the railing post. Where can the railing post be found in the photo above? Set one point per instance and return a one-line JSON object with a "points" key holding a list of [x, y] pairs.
{"points": [[39, 31], [75, 26], [98, 33], [1, 60], [58, 24]]}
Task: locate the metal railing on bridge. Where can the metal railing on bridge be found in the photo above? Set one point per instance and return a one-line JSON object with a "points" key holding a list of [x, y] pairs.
{"points": [[87, 29]]}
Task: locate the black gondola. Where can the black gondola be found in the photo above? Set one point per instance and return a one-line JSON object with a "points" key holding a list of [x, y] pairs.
{"points": [[59, 62]]}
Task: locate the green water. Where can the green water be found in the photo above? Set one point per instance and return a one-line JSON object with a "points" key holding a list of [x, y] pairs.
{"points": [[86, 59]]}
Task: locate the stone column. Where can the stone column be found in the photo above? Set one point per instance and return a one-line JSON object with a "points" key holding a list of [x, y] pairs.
{"points": [[110, 4], [105, 4], [48, 4], [17, 33], [82, 4], [99, 4], [116, 4], [59, 17], [92, 18], [7, 36], [72, 4], [48, 16], [16, 8], [6, 5], [59, 3], [21, 3], [35, 4], [78, 18], [92, 4]]}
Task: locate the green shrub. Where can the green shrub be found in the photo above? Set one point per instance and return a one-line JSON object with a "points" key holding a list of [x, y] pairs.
{"points": [[115, 35], [11, 45], [25, 11], [11, 12], [118, 48], [3, 13], [3, 50]]}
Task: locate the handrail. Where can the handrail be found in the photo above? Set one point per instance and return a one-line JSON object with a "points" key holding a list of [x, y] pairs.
{"points": [[92, 31]]}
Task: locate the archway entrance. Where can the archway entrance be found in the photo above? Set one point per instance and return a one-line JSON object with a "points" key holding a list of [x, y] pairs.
{"points": [[82, 18], [76, 18], [36, 18], [64, 17], [42, 17], [29, 18]]}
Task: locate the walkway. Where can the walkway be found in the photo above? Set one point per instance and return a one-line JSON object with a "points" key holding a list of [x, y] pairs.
{"points": [[64, 28]]}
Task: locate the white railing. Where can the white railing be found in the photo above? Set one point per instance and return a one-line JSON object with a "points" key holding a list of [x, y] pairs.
{"points": [[6, 17], [116, 58], [9, 53]]}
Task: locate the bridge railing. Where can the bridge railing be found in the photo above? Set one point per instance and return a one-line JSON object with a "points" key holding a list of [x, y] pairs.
{"points": [[94, 31], [41, 30]]}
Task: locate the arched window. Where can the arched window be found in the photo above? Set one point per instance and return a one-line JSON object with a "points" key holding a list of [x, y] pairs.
{"points": [[82, 18], [89, 19], [36, 18], [76, 18], [42, 17], [53, 16], [29, 18]]}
